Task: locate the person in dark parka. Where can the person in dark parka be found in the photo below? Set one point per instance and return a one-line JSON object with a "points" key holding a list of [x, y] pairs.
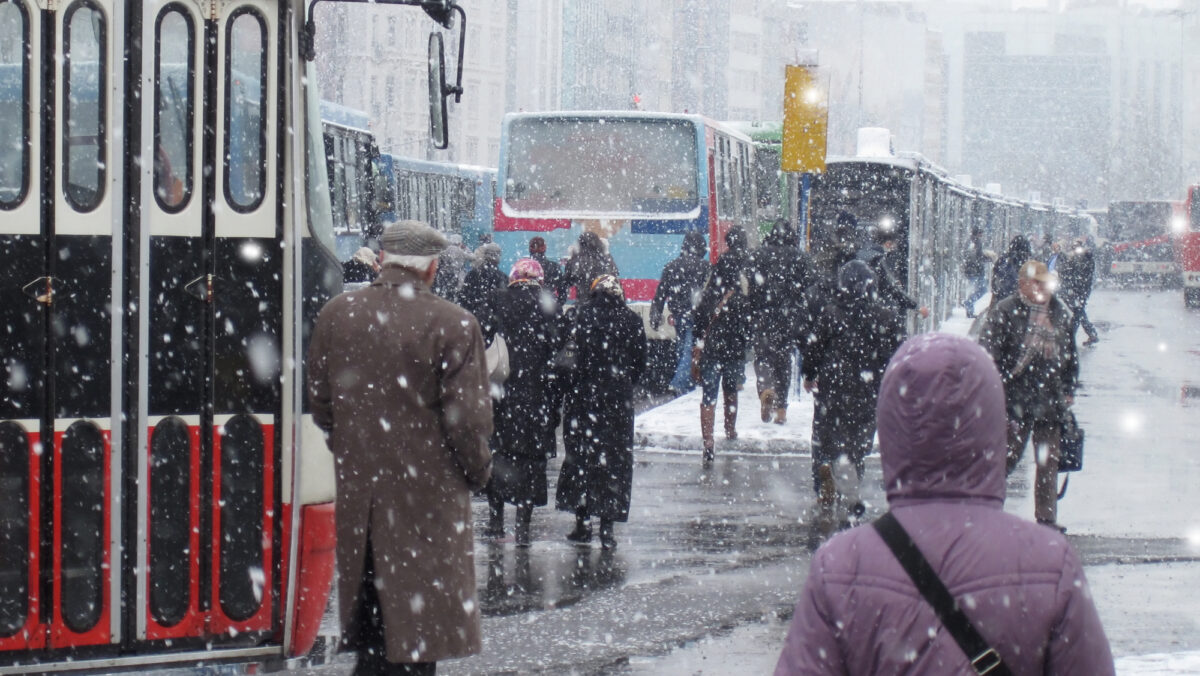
{"points": [[362, 268], [879, 254], [853, 338], [1077, 270], [524, 313], [484, 278], [679, 291], [723, 323], [596, 478], [1004, 272], [553, 278], [1029, 336], [781, 273], [590, 260]]}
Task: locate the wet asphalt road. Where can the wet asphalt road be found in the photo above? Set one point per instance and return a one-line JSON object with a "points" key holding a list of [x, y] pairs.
{"points": [[710, 562]]}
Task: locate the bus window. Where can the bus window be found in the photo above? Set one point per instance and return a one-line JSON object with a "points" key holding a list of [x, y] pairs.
{"points": [[14, 104], [84, 68], [174, 70], [245, 110]]}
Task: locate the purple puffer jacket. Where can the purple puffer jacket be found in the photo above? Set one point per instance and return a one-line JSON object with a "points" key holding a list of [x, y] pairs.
{"points": [[942, 439]]}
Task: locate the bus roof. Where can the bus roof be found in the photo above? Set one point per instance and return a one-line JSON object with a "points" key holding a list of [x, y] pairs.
{"points": [[628, 115]]}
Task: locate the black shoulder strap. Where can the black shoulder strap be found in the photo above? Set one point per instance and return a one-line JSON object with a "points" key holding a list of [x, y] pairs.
{"points": [[984, 659]]}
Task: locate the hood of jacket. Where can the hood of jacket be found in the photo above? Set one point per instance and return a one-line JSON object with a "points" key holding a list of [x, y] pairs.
{"points": [[941, 422], [694, 245]]}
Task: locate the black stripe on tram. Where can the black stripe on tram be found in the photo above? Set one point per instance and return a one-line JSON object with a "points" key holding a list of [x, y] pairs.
{"points": [[49, 47], [130, 424], [208, 237], [283, 112]]}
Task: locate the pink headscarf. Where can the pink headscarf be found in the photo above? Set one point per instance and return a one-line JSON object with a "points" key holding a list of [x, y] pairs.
{"points": [[526, 270]]}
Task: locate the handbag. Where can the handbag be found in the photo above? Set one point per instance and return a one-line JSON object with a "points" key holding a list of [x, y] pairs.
{"points": [[496, 356], [1070, 444], [984, 659]]}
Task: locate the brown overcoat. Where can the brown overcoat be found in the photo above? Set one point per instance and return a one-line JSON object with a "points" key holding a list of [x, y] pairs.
{"points": [[397, 379]]}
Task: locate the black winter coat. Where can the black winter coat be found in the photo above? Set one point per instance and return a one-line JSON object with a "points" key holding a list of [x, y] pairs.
{"points": [[523, 420], [891, 290], [477, 288], [724, 319], [1040, 389], [679, 288], [588, 263], [597, 471], [781, 273], [553, 278], [1077, 272], [852, 339]]}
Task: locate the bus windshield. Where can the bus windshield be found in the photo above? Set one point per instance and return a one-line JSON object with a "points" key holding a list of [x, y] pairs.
{"points": [[602, 167]]}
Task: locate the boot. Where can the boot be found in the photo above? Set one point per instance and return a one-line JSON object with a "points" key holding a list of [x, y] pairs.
{"points": [[608, 539], [780, 416], [708, 418], [767, 399], [583, 530], [495, 527], [731, 406], [524, 515]]}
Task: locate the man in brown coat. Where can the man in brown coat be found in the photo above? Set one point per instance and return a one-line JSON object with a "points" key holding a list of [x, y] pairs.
{"points": [[397, 380]]}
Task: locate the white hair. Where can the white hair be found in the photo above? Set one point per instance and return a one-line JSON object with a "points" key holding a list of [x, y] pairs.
{"points": [[417, 263]]}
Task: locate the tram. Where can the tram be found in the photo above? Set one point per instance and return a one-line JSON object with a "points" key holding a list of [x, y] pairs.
{"points": [[167, 235], [358, 185], [932, 215], [1189, 248], [1143, 236]]}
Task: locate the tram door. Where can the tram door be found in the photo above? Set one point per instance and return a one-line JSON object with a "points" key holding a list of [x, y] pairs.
{"points": [[212, 287], [140, 314]]}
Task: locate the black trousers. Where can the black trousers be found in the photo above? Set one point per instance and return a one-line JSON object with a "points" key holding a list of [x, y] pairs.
{"points": [[839, 429], [365, 633]]}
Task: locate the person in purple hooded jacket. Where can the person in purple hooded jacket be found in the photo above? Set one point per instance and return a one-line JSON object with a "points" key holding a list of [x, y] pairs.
{"points": [[942, 441]]}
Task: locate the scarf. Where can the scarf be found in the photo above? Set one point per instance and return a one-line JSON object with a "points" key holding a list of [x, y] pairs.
{"points": [[1039, 342]]}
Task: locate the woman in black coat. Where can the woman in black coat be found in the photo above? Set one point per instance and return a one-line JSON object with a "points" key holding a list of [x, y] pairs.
{"points": [[597, 473], [589, 261], [523, 438]]}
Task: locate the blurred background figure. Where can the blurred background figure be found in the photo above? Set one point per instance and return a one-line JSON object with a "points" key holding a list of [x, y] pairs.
{"points": [[679, 290]]}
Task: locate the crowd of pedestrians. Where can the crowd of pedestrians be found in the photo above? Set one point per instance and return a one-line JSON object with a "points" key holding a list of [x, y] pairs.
{"points": [[462, 374]]}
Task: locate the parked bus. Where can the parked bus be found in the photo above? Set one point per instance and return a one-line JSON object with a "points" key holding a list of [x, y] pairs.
{"points": [[454, 198], [1189, 248]]}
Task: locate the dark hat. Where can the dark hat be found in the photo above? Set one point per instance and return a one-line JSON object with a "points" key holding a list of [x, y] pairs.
{"points": [[537, 245], [412, 238], [855, 278]]}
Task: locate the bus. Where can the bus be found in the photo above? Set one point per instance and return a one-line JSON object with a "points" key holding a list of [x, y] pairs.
{"points": [[639, 180], [1142, 240], [782, 196], [358, 183], [168, 240], [454, 198], [1189, 247]]}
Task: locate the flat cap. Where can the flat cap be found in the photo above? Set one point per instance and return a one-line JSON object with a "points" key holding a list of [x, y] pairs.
{"points": [[412, 238]]}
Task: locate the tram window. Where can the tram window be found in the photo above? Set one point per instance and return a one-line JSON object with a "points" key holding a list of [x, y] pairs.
{"points": [[174, 71], [84, 68], [245, 110], [14, 104]]}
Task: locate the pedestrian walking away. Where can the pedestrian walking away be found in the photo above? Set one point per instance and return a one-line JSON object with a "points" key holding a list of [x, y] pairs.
{"points": [[781, 273], [679, 290], [723, 322], [596, 478], [1029, 337], [484, 278], [396, 380], [974, 268], [525, 314], [553, 278], [1077, 273], [853, 337], [452, 269], [362, 268], [1021, 586], [589, 261]]}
